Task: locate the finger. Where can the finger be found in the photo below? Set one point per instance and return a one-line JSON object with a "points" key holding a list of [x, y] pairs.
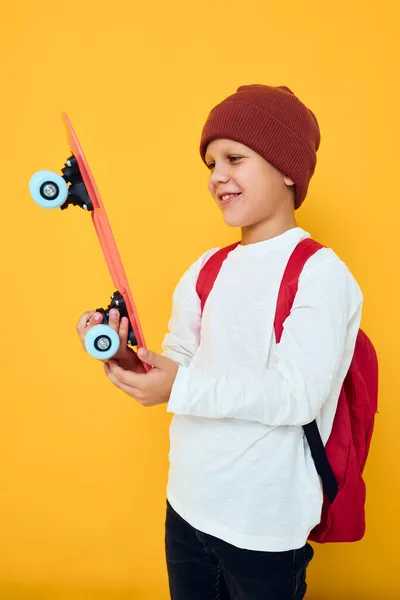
{"points": [[86, 321], [153, 359], [113, 379], [113, 319], [83, 319], [94, 318], [124, 331], [136, 380], [135, 393]]}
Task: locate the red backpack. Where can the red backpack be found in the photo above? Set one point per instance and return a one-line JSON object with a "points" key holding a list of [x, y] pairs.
{"points": [[341, 462]]}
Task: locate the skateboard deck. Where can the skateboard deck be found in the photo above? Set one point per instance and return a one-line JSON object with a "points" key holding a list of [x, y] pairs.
{"points": [[122, 299]]}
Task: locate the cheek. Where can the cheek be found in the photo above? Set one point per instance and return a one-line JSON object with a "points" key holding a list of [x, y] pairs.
{"points": [[249, 179], [259, 194], [265, 186], [255, 187]]}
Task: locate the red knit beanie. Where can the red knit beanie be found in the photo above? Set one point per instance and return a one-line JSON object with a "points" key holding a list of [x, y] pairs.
{"points": [[274, 123]]}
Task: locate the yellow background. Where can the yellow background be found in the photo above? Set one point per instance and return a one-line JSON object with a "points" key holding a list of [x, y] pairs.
{"points": [[82, 467]]}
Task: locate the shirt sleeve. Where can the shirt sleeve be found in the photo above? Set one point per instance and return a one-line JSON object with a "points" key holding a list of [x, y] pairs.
{"points": [[183, 336], [323, 323]]}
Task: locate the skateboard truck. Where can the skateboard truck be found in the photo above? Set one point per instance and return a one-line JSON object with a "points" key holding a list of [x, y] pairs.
{"points": [[118, 302], [77, 193]]}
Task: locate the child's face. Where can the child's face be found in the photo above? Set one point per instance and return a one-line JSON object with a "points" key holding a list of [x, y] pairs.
{"points": [[263, 190]]}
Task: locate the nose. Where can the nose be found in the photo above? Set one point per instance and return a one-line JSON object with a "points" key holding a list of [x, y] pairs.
{"points": [[219, 175]]}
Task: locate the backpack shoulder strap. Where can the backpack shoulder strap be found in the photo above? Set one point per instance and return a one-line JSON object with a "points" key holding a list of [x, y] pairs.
{"points": [[290, 282], [287, 292], [209, 272]]}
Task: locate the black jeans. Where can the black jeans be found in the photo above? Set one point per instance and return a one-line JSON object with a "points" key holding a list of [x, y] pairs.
{"points": [[202, 567]]}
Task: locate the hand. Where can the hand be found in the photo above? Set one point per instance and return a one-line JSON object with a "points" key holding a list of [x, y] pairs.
{"points": [[150, 388], [126, 357]]}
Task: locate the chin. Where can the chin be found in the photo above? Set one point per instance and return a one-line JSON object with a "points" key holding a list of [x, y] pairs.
{"points": [[235, 220]]}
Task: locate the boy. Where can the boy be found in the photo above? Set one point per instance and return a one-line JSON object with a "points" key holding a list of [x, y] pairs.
{"points": [[243, 491]]}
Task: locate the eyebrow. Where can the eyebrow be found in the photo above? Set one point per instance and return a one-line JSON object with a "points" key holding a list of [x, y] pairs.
{"points": [[224, 153]]}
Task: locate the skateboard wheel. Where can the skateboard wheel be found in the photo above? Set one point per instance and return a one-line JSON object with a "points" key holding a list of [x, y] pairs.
{"points": [[102, 342], [48, 189]]}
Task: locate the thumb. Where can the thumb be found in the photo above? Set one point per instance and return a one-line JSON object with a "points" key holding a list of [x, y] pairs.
{"points": [[152, 358]]}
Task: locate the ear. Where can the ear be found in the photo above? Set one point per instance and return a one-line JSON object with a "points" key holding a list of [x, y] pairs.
{"points": [[288, 181]]}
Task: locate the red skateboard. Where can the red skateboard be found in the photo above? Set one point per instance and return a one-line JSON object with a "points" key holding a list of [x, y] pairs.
{"points": [[76, 186]]}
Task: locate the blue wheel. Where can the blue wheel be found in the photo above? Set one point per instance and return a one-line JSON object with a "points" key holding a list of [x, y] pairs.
{"points": [[102, 342], [48, 189]]}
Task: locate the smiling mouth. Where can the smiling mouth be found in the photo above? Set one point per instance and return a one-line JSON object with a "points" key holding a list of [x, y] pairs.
{"points": [[229, 198]]}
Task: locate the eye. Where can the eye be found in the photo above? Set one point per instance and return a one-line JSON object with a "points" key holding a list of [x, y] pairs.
{"points": [[232, 159]]}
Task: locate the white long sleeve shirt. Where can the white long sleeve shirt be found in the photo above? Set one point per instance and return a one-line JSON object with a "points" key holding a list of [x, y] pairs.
{"points": [[240, 467]]}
